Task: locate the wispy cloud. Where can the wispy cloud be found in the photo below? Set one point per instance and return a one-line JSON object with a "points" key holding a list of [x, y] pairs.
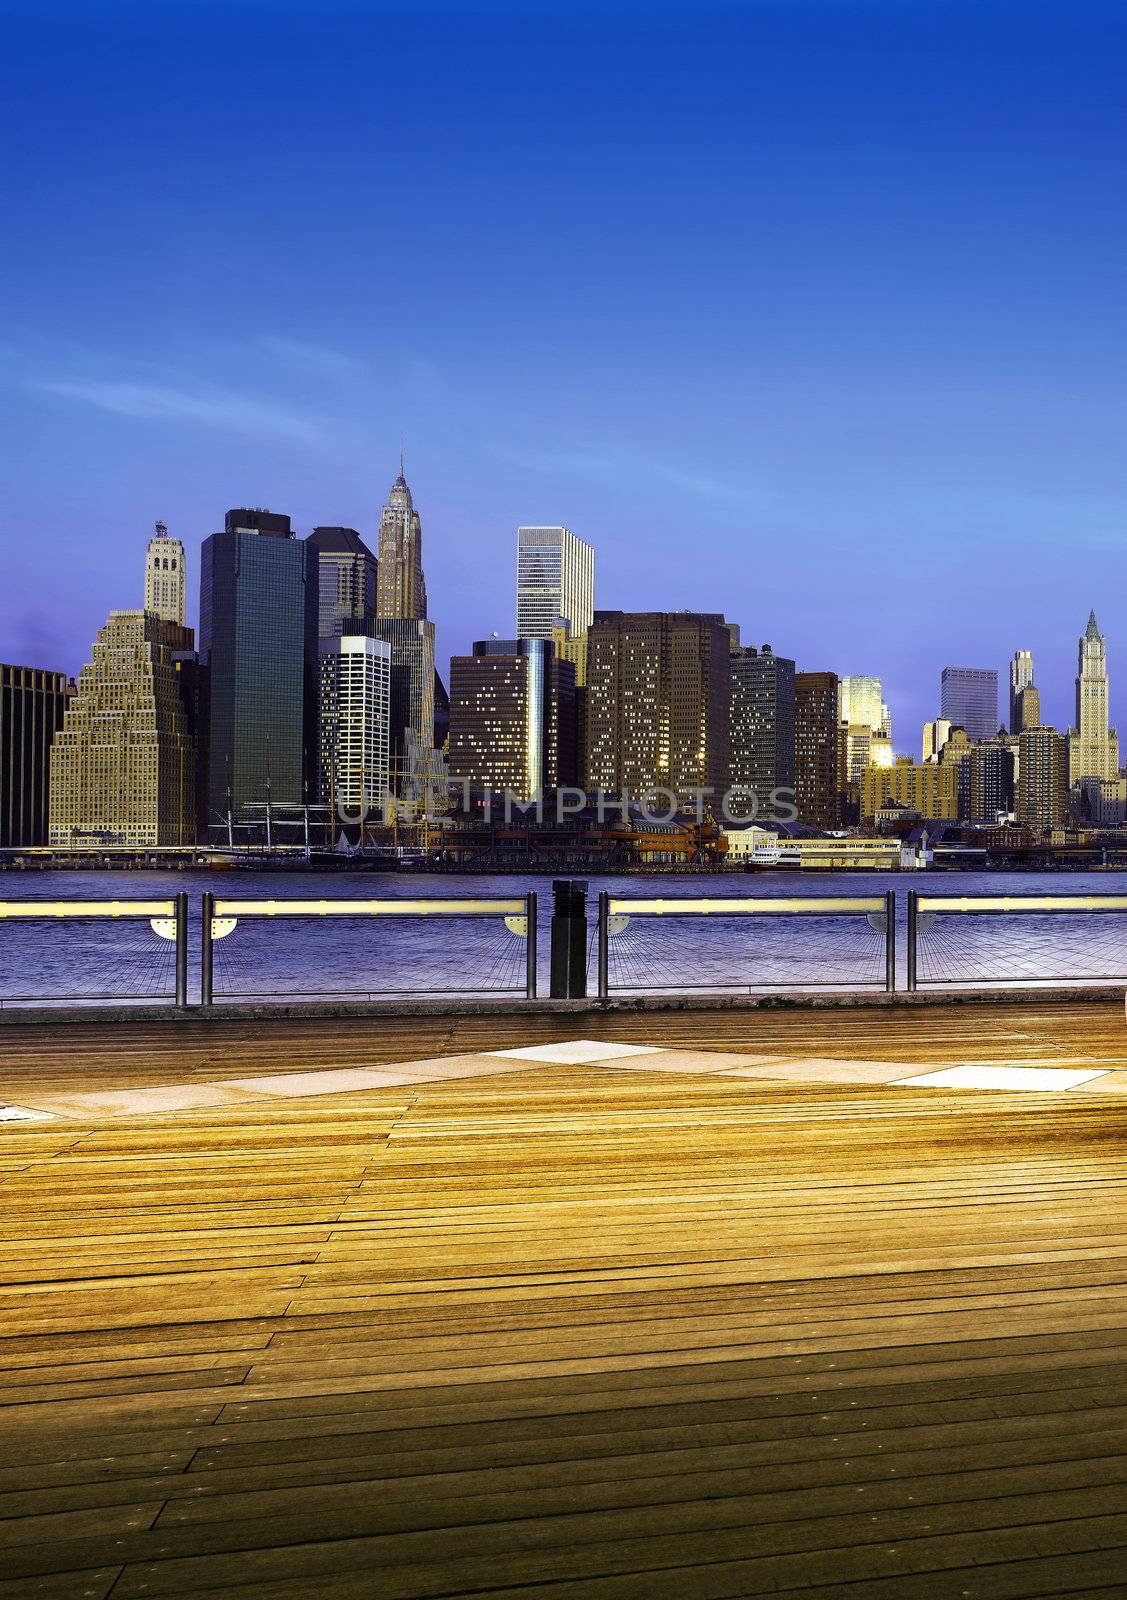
{"points": [[218, 408], [311, 357], [630, 465]]}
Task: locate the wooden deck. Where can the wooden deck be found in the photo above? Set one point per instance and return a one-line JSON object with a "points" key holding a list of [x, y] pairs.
{"points": [[571, 1333]]}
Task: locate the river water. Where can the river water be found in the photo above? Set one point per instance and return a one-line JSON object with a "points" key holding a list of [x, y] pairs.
{"points": [[319, 957]]}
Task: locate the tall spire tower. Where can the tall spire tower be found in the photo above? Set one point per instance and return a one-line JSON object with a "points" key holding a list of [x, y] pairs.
{"points": [[402, 589], [1093, 746]]}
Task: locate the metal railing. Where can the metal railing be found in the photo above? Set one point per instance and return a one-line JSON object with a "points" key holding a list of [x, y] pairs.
{"points": [[935, 958], [615, 913], [220, 919], [168, 920]]}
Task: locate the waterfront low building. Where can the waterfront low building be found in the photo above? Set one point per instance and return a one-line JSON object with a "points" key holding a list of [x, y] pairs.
{"points": [[762, 847], [122, 765]]}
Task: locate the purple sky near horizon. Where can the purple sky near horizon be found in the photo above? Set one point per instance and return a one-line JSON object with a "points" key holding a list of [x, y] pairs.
{"points": [[808, 311]]}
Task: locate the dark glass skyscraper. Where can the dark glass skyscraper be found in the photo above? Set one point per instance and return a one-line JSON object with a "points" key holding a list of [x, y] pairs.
{"points": [[968, 698], [762, 730], [32, 703], [346, 580], [258, 645]]}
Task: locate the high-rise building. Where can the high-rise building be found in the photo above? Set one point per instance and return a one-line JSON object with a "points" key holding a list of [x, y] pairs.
{"points": [[346, 580], [969, 696], [32, 703], [401, 590], [122, 763], [412, 687], [935, 736], [817, 738], [860, 701], [956, 754], [355, 694], [866, 725], [441, 712], [1026, 709], [1021, 677], [761, 731], [1093, 746], [991, 780], [929, 790], [658, 696], [555, 583], [512, 718], [165, 578], [257, 729], [1042, 779]]}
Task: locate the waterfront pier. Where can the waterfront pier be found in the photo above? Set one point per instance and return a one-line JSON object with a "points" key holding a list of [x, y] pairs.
{"points": [[573, 1302]]}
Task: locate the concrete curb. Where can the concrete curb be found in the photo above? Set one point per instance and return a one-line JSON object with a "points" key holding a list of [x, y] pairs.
{"points": [[68, 1016]]}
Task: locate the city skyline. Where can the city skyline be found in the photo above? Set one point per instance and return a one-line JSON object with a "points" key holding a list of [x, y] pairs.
{"points": [[329, 545], [754, 308]]}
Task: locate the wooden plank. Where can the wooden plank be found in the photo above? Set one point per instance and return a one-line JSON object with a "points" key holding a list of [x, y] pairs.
{"points": [[627, 1335]]}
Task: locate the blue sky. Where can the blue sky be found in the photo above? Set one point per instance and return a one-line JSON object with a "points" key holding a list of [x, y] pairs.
{"points": [[808, 311]]}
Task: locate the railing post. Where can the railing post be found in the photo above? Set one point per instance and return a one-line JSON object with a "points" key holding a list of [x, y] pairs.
{"points": [[569, 940], [530, 946], [207, 914], [604, 944], [182, 949], [913, 902], [890, 942]]}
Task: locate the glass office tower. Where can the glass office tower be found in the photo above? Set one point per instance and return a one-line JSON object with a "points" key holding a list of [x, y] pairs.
{"points": [[258, 648]]}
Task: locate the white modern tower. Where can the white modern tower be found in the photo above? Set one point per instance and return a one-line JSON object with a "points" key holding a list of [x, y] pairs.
{"points": [[555, 583], [164, 577], [355, 727]]}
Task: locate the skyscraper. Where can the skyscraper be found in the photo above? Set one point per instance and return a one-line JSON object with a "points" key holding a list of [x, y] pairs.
{"points": [[355, 690], [861, 703], [512, 717], [991, 780], [1093, 746], [346, 580], [935, 736], [555, 583], [658, 697], [165, 578], [258, 648], [761, 732], [1041, 778], [968, 696], [866, 726], [1021, 677], [32, 703], [412, 687], [401, 589], [122, 764], [1026, 712], [817, 756]]}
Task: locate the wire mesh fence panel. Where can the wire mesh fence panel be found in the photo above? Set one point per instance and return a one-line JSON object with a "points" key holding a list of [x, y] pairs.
{"points": [[80, 960], [1025, 947], [308, 958], [719, 952]]}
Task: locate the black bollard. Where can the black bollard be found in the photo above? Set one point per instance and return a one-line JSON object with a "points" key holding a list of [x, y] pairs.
{"points": [[569, 940]]}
